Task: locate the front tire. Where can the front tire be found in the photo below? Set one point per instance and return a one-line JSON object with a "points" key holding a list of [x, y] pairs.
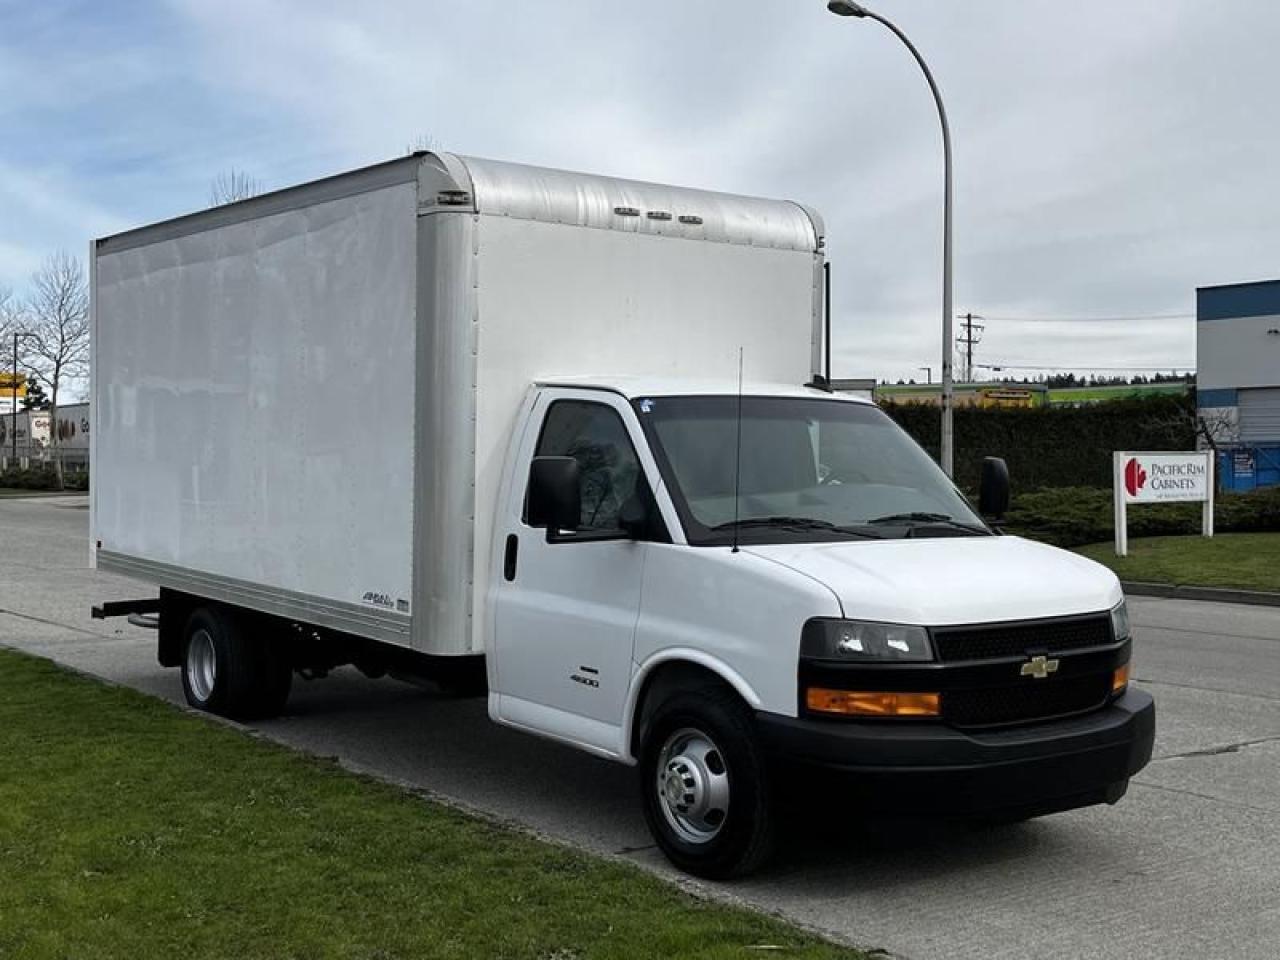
{"points": [[227, 672], [704, 784]]}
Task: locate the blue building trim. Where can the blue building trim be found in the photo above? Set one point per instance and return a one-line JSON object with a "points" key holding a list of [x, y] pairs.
{"points": [[1259, 299], [1217, 398]]}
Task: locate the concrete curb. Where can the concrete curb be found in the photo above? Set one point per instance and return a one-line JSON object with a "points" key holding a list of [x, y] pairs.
{"points": [[1260, 598]]}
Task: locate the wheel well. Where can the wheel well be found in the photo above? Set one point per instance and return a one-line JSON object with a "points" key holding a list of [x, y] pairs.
{"points": [[667, 678]]}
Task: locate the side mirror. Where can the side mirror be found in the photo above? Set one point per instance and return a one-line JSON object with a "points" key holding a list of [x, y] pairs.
{"points": [[555, 494], [993, 488]]}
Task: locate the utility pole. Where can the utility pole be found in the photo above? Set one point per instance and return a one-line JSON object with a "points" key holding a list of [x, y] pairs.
{"points": [[972, 335], [928, 372]]}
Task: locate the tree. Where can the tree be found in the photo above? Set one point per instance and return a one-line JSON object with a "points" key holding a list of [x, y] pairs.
{"points": [[36, 398], [57, 319], [8, 311], [231, 186]]}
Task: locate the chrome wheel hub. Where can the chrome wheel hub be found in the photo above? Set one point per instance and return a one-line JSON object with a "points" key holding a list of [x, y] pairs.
{"points": [[202, 665], [693, 785]]}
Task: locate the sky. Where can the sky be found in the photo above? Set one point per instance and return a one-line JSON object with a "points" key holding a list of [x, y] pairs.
{"points": [[1109, 157]]}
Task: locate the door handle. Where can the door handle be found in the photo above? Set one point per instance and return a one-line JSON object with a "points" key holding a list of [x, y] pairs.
{"points": [[509, 557]]}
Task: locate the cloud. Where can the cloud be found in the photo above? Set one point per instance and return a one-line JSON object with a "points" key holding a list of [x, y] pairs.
{"points": [[1109, 158]]}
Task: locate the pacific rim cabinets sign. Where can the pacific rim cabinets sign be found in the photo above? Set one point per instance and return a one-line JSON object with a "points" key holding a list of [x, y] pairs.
{"points": [[1161, 478]]}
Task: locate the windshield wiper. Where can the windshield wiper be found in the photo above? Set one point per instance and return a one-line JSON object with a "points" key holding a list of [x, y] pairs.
{"points": [[923, 517], [793, 523]]}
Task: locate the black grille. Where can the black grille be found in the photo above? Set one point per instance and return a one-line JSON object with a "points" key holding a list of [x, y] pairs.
{"points": [[1029, 699], [989, 641]]}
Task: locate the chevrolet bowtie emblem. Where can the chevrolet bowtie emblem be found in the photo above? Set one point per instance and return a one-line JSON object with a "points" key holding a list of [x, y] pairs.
{"points": [[1039, 667]]}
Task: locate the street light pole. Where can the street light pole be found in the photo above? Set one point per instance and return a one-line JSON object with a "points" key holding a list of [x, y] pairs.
{"points": [[847, 8], [13, 434]]}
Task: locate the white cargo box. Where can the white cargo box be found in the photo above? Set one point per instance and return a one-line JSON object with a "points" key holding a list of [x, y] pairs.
{"points": [[302, 401]]}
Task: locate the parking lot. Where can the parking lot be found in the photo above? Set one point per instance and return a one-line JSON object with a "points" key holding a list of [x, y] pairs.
{"points": [[1187, 865]]}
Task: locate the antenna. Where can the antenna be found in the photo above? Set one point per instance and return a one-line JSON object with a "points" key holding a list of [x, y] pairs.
{"points": [[737, 458]]}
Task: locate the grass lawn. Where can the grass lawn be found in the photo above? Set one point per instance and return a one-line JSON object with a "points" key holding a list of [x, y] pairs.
{"points": [[1248, 561], [131, 829]]}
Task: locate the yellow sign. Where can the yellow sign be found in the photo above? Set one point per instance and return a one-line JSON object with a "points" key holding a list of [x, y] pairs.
{"points": [[6, 384]]}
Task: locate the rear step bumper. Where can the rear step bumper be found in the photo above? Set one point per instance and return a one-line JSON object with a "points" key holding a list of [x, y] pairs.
{"points": [[125, 608]]}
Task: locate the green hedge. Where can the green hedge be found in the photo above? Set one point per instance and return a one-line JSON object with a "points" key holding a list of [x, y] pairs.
{"points": [[1074, 516], [1053, 446], [43, 477]]}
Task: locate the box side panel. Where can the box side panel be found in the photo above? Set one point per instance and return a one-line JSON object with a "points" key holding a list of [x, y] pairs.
{"points": [[254, 405], [559, 300], [444, 546]]}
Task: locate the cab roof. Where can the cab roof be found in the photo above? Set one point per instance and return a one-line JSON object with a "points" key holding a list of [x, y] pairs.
{"points": [[636, 387]]}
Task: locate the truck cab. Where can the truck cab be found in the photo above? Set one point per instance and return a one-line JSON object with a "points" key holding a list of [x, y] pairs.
{"points": [[705, 583]]}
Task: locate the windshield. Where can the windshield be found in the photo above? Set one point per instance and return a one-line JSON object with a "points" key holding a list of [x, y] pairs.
{"points": [[810, 469]]}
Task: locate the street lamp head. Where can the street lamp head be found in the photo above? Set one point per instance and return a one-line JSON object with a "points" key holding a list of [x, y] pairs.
{"points": [[847, 8]]}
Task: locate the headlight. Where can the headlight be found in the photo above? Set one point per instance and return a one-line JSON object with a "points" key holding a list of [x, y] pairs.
{"points": [[1120, 621], [864, 640]]}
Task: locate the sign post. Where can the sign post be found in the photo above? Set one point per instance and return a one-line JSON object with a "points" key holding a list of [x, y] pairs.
{"points": [[1161, 478]]}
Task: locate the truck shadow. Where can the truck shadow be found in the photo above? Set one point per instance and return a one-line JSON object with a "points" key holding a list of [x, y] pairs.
{"points": [[430, 741]]}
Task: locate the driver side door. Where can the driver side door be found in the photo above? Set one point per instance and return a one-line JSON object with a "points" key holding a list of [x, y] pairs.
{"points": [[567, 606]]}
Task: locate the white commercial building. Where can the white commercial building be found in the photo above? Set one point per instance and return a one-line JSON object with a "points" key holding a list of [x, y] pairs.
{"points": [[34, 440], [1238, 378]]}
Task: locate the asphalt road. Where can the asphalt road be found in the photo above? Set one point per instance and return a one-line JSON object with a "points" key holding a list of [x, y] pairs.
{"points": [[1187, 865]]}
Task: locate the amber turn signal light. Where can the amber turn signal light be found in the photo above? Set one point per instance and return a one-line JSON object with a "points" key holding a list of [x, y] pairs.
{"points": [[1120, 679], [863, 703]]}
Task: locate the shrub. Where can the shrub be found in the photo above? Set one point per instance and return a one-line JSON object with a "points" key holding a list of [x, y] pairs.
{"points": [[43, 477], [1074, 516], [39, 477]]}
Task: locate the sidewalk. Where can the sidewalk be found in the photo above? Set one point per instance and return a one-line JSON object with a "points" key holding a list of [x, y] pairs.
{"points": [[1263, 598]]}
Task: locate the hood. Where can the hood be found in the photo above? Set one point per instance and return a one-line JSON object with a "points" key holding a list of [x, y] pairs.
{"points": [[951, 580]]}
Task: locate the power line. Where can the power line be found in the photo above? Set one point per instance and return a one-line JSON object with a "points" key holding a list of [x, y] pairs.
{"points": [[1112, 319], [1084, 366]]}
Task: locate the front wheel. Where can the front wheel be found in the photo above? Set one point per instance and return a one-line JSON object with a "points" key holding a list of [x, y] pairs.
{"points": [[704, 784]]}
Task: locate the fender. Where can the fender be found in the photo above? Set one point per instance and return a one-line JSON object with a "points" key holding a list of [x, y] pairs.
{"points": [[677, 655]]}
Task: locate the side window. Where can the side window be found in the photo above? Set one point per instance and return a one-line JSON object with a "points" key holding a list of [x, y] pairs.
{"points": [[594, 435]]}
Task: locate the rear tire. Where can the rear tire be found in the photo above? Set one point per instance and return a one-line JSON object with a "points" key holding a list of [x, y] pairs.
{"points": [[704, 784], [227, 672]]}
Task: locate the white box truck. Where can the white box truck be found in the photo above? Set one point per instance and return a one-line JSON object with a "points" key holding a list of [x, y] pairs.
{"points": [[548, 435]]}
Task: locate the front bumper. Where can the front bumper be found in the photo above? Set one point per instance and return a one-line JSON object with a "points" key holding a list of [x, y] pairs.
{"points": [[910, 766]]}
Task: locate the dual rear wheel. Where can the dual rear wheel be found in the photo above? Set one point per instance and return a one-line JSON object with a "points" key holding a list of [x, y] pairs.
{"points": [[227, 671]]}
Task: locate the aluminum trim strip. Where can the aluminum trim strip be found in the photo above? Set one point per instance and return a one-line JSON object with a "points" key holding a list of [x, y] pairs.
{"points": [[402, 170], [521, 192], [385, 626]]}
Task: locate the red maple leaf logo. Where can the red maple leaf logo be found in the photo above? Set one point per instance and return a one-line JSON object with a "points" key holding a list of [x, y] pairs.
{"points": [[1135, 478]]}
